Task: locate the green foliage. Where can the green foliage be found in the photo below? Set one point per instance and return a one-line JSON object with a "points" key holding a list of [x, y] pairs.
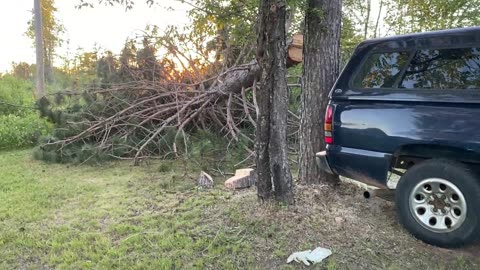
{"points": [[15, 94], [203, 147], [76, 153], [358, 15], [128, 4], [359, 22], [295, 77], [59, 111], [405, 16], [211, 150], [19, 131], [230, 23], [63, 78], [102, 68], [170, 138], [20, 125], [350, 38], [107, 68], [23, 71], [52, 30]]}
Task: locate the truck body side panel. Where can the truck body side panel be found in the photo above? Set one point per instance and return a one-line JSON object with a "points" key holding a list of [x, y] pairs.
{"points": [[370, 125]]}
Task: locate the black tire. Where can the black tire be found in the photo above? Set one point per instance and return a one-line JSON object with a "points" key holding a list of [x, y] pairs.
{"points": [[464, 179]]}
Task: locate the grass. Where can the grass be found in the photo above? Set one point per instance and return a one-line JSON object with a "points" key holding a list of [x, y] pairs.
{"points": [[114, 216], [153, 217]]}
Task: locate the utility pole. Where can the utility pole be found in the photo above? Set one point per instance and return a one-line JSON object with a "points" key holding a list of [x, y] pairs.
{"points": [[40, 90]]}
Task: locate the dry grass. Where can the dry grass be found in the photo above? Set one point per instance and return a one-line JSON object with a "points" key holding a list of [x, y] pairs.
{"points": [[362, 234]]}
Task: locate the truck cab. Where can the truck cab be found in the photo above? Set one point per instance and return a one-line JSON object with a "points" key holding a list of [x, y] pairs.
{"points": [[410, 105]]}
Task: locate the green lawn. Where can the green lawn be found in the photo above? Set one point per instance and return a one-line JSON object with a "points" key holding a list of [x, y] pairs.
{"points": [[114, 216], [117, 216]]}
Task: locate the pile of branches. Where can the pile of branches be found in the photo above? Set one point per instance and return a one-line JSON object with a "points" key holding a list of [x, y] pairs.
{"points": [[152, 113], [136, 116]]}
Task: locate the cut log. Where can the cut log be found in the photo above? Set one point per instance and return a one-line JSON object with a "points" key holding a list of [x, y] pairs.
{"points": [[205, 180], [244, 178], [295, 50]]}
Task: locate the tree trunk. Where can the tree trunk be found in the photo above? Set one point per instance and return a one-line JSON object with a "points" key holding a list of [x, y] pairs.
{"points": [[262, 133], [40, 89], [272, 99], [367, 19], [378, 19], [48, 64], [320, 69], [238, 78]]}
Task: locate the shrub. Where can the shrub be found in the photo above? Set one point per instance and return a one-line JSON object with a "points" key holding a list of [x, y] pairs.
{"points": [[209, 149], [19, 131], [74, 153], [17, 92]]}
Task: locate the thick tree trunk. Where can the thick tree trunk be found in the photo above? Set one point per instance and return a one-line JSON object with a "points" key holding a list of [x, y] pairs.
{"points": [[320, 70], [262, 132], [40, 89], [271, 136], [277, 80]]}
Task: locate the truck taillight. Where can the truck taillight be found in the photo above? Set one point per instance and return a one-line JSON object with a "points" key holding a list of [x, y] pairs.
{"points": [[328, 128]]}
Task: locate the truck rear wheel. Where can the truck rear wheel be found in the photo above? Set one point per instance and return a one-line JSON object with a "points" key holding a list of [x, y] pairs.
{"points": [[437, 201]]}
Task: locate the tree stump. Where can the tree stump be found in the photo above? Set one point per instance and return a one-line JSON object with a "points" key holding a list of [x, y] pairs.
{"points": [[205, 180], [244, 178]]}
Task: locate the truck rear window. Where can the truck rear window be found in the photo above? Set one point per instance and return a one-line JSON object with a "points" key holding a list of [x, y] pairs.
{"points": [[381, 70], [444, 69], [436, 69]]}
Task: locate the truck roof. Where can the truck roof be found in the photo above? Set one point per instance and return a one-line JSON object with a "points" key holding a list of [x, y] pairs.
{"points": [[431, 34]]}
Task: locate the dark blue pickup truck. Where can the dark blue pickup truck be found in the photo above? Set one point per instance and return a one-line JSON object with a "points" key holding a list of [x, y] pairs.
{"points": [[410, 105]]}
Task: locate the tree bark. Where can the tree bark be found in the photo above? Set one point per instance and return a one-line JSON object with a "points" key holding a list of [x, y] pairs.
{"points": [[48, 65], [40, 84], [238, 78], [271, 135], [262, 133], [378, 19], [245, 75], [367, 19], [320, 69]]}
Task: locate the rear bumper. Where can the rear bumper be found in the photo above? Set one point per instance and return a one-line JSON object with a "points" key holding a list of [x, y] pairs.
{"points": [[362, 165], [322, 162]]}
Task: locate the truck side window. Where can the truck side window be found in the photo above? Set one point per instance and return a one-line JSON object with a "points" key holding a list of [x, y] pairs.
{"points": [[444, 69], [380, 70]]}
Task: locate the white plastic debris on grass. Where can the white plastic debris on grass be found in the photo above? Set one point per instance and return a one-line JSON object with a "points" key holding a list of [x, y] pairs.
{"points": [[310, 257]]}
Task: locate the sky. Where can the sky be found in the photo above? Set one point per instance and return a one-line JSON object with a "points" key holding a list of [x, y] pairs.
{"points": [[105, 26]]}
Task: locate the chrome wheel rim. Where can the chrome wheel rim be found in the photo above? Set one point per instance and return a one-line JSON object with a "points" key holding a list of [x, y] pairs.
{"points": [[438, 205]]}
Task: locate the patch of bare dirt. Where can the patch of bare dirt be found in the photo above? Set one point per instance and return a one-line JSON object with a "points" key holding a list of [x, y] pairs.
{"points": [[363, 234]]}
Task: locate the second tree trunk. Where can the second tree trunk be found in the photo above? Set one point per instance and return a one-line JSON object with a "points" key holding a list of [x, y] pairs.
{"points": [[321, 63]]}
